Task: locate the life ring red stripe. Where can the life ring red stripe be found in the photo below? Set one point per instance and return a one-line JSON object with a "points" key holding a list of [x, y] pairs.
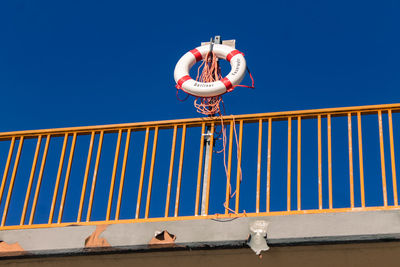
{"points": [[182, 80], [227, 83], [232, 54], [196, 54]]}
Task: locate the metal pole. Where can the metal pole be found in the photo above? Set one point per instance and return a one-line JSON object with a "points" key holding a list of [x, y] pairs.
{"points": [[205, 172], [208, 148]]}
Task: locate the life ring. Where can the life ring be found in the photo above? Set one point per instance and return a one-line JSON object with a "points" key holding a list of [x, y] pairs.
{"points": [[190, 86]]}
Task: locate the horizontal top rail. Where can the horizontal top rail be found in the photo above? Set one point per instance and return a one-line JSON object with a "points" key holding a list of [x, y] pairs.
{"points": [[193, 122]]}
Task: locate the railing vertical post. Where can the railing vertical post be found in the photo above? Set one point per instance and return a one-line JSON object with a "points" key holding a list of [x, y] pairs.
{"points": [[228, 175], [114, 174], [259, 165], [29, 189], [199, 170], [121, 181], [143, 169], [39, 181], [239, 167], [150, 184], [269, 165], [66, 180], [299, 163], [329, 126], [361, 162], [394, 181], [171, 170], [11, 185], [7, 168], [178, 184], [289, 164], [57, 184], [319, 164], [349, 130], [383, 168], [85, 178], [94, 179]]}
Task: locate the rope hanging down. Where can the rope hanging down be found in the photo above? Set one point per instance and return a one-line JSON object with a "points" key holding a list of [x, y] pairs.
{"points": [[211, 105], [209, 71]]}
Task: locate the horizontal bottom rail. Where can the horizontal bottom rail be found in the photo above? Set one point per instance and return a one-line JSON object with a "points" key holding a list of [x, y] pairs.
{"points": [[200, 217]]}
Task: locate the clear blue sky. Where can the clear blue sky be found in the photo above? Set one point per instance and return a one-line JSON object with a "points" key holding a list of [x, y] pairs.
{"points": [[76, 63], [98, 62]]}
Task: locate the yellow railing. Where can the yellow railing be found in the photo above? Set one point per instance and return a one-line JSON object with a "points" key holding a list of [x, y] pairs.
{"points": [[25, 192]]}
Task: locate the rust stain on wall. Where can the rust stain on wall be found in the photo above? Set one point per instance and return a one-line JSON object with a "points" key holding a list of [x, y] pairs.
{"points": [[163, 239], [10, 249], [94, 240]]}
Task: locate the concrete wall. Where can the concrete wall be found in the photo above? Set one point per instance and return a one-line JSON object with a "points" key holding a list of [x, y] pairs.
{"points": [[366, 254], [282, 230]]}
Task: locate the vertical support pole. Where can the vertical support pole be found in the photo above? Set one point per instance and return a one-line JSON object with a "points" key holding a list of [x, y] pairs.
{"points": [[205, 173], [209, 140], [209, 143]]}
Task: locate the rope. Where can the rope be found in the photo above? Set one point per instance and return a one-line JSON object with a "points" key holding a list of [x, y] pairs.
{"points": [[224, 140], [180, 99], [210, 106], [246, 86], [211, 72]]}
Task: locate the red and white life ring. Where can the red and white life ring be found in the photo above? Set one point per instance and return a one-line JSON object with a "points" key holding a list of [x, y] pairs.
{"points": [[190, 86]]}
